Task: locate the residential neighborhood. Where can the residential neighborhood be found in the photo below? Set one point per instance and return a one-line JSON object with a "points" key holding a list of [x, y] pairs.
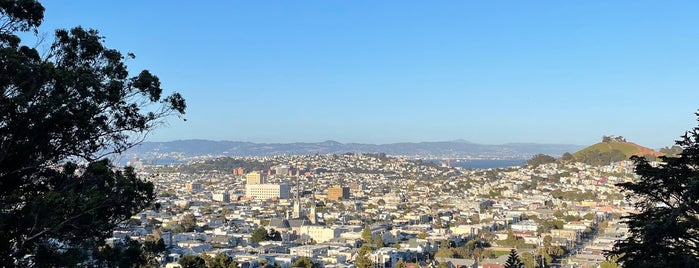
{"points": [[420, 214]]}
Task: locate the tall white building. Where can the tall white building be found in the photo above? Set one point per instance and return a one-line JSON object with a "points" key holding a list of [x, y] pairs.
{"points": [[267, 191]]}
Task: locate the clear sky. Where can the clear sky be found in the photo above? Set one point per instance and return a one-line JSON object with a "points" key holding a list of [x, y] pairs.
{"points": [[406, 71]]}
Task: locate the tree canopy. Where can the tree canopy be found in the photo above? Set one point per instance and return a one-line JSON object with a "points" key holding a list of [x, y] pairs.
{"points": [[513, 260], [76, 104], [366, 234], [665, 233], [221, 260], [192, 261], [363, 260], [540, 159], [259, 234]]}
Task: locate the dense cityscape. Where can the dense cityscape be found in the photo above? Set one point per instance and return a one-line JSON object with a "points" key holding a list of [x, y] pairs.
{"points": [[348, 134], [418, 213]]}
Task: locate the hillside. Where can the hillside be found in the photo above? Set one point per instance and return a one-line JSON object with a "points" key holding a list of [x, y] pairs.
{"points": [[627, 148]]}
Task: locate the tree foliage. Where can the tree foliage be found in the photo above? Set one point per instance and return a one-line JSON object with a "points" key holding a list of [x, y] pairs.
{"points": [[366, 234], [363, 260], [221, 260], [258, 235], [444, 251], [513, 260], [665, 233], [130, 253], [304, 262], [192, 261], [528, 260], [673, 151], [77, 103], [401, 264], [274, 235], [540, 159], [378, 241]]}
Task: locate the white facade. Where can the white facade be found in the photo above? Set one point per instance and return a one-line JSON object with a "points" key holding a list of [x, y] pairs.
{"points": [[320, 233], [222, 197], [267, 191]]}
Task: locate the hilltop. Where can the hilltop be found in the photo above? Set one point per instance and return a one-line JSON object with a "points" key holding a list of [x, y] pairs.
{"points": [[612, 149], [627, 148]]}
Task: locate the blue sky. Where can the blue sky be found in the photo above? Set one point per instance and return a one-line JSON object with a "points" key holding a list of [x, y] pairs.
{"points": [[405, 71]]}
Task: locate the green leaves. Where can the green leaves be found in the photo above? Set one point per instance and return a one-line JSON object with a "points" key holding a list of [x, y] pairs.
{"points": [[665, 232], [76, 104]]}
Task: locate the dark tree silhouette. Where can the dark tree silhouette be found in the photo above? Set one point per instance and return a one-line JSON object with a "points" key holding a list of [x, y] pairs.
{"points": [[665, 233], [76, 104], [258, 235], [192, 261], [513, 260]]}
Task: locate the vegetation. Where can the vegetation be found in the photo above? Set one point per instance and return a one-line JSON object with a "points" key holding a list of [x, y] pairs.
{"points": [[224, 164], [192, 261], [673, 151], [665, 232], [401, 264], [131, 253], [366, 234], [305, 262], [76, 103], [221, 260], [363, 260], [548, 251], [513, 260], [540, 159], [528, 260], [444, 251], [378, 241], [258, 235], [600, 158], [513, 241], [604, 153]]}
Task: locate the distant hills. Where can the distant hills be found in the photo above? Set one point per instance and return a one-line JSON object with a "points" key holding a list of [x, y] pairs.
{"points": [[184, 150]]}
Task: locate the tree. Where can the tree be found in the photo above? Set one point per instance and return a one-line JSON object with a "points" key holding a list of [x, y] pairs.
{"points": [[528, 260], [258, 235], [366, 234], [75, 104], [513, 260], [665, 233], [363, 259], [609, 264], [444, 251], [422, 235], [274, 235], [304, 262], [567, 157], [401, 264], [378, 241], [129, 253], [221, 260], [189, 222], [192, 261], [540, 159], [673, 151]]}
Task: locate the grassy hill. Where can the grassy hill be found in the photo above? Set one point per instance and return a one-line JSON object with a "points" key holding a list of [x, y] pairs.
{"points": [[628, 148]]}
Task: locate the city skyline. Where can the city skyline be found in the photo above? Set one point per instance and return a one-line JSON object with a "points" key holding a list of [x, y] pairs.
{"points": [[366, 72]]}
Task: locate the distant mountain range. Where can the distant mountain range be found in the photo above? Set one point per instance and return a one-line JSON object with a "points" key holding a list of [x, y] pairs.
{"points": [[184, 150]]}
